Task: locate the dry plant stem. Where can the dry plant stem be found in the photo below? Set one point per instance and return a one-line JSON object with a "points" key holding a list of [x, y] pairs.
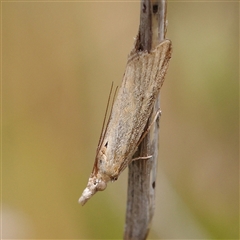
{"points": [[142, 173]]}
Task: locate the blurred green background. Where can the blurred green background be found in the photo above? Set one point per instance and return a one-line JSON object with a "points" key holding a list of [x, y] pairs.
{"points": [[58, 62]]}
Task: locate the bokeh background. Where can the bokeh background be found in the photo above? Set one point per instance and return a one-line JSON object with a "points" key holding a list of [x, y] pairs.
{"points": [[58, 62]]}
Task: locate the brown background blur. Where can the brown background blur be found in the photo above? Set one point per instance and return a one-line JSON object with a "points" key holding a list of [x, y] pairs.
{"points": [[58, 62]]}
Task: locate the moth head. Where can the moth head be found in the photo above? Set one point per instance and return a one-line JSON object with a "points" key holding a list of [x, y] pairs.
{"points": [[94, 184]]}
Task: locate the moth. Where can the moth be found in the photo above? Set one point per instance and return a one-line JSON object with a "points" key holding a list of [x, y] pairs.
{"points": [[142, 80]]}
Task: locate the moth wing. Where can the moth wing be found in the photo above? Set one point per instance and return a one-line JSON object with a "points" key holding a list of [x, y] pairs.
{"points": [[141, 83]]}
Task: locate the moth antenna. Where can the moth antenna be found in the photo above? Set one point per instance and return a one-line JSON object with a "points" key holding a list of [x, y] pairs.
{"points": [[103, 130], [103, 135], [105, 117]]}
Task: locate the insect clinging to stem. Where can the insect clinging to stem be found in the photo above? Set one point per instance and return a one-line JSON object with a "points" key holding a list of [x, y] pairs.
{"points": [[144, 75]]}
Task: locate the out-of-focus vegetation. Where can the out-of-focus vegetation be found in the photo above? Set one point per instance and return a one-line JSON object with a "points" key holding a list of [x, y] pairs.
{"points": [[58, 62]]}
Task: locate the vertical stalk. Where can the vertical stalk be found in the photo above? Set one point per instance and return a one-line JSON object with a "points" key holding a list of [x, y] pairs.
{"points": [[142, 173]]}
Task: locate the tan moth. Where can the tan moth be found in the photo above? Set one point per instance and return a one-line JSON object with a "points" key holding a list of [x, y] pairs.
{"points": [[142, 80]]}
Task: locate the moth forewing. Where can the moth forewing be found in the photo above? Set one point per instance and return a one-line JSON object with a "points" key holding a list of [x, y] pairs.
{"points": [[143, 78]]}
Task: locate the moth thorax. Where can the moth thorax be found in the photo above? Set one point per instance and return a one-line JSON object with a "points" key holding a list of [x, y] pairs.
{"points": [[101, 186]]}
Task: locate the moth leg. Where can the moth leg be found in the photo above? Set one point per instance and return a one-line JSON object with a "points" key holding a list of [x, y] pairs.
{"points": [[142, 158], [158, 113], [145, 133]]}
